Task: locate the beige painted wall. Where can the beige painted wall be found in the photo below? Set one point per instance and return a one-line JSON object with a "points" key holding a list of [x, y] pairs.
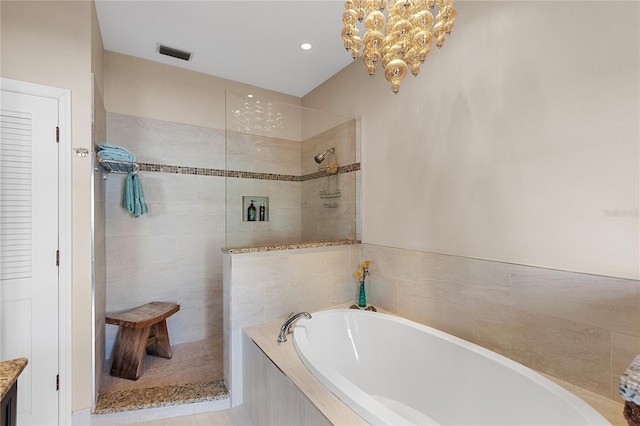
{"points": [[97, 54], [148, 89], [50, 42], [517, 143]]}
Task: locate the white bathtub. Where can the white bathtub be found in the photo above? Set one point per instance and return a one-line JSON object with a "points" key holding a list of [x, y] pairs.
{"points": [[393, 371]]}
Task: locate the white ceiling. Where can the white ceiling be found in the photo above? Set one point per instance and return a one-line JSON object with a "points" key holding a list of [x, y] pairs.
{"points": [[253, 42]]}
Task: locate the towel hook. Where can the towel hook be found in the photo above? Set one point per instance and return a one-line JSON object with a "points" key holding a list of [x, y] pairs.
{"points": [[81, 152]]}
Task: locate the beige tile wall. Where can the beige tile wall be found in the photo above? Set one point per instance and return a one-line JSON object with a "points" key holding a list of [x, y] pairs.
{"points": [[329, 218], [263, 286], [166, 142], [283, 225], [173, 253], [583, 329], [341, 137], [262, 154], [320, 222], [270, 397], [296, 211]]}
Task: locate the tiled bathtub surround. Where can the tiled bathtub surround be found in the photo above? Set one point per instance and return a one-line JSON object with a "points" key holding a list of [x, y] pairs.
{"points": [[583, 329], [273, 370], [266, 285], [579, 328]]}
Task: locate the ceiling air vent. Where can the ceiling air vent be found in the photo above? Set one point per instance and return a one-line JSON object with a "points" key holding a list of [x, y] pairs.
{"points": [[174, 53]]}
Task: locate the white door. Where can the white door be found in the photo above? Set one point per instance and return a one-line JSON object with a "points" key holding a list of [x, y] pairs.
{"points": [[28, 248]]}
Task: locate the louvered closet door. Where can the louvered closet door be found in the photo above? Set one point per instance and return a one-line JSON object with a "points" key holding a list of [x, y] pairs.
{"points": [[28, 245]]}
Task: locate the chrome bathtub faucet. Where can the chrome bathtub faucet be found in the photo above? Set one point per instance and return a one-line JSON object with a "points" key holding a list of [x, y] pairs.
{"points": [[288, 323]]}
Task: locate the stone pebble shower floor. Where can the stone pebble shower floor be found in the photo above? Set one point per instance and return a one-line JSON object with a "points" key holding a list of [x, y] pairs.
{"points": [[161, 396], [193, 374]]}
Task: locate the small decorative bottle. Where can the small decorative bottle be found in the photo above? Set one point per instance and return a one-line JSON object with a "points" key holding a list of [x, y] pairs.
{"points": [[262, 211], [362, 300], [251, 212], [361, 275]]}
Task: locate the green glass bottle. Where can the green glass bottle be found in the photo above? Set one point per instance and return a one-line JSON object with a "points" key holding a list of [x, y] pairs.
{"points": [[251, 212], [362, 302]]}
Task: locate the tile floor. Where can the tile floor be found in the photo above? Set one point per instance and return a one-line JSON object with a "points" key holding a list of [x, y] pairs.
{"points": [[192, 362]]}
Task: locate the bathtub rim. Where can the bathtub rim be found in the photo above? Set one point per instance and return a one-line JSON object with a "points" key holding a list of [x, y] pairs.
{"points": [[382, 414]]}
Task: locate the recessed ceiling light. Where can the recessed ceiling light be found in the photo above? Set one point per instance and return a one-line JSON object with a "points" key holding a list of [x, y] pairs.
{"points": [[305, 46], [249, 96]]}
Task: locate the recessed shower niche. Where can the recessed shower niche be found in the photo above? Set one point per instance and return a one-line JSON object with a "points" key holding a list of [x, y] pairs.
{"points": [[255, 209], [272, 148]]}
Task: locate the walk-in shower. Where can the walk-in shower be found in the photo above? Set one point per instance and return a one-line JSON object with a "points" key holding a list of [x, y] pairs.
{"points": [[272, 154]]}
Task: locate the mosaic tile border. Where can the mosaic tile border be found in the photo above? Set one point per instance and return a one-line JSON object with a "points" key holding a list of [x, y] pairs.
{"points": [[181, 170], [342, 169], [200, 171]]}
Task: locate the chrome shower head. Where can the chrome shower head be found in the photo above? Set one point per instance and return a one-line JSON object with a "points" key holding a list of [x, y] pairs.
{"points": [[320, 157]]}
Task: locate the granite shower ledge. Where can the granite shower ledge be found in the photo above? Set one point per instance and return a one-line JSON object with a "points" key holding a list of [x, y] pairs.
{"points": [[9, 372], [289, 246], [630, 382]]}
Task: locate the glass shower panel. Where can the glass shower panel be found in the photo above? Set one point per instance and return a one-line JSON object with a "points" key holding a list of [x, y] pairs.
{"points": [[276, 193], [328, 178]]}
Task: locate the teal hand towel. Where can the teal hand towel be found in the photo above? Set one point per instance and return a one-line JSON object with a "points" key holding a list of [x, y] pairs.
{"points": [[127, 198], [140, 206], [114, 152], [133, 198]]}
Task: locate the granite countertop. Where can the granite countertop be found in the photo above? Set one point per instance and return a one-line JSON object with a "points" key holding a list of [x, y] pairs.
{"points": [[630, 382], [289, 246], [9, 372]]}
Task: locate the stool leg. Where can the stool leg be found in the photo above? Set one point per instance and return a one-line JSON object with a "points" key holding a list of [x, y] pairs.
{"points": [[128, 354], [161, 347]]}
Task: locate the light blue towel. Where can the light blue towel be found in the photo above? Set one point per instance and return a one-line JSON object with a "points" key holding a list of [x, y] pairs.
{"points": [[114, 152], [133, 199]]}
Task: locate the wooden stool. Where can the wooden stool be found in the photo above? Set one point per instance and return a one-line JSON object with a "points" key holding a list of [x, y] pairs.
{"points": [[140, 328]]}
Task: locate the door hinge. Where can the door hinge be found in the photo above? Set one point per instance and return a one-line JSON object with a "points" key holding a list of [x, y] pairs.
{"points": [[57, 257], [57, 382], [57, 134]]}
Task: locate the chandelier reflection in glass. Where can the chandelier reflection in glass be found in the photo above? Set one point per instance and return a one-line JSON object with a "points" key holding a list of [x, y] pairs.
{"points": [[398, 40], [258, 119]]}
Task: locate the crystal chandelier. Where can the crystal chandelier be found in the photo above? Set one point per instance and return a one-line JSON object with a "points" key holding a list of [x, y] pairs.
{"points": [[400, 40]]}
